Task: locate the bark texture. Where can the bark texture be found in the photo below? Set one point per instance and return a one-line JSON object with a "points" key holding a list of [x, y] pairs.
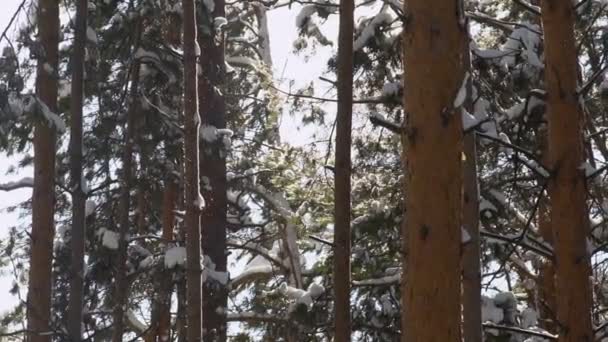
{"points": [[192, 185], [471, 263], [161, 312], [121, 282], [213, 173], [342, 204], [77, 242], [434, 57], [43, 199], [569, 216]]}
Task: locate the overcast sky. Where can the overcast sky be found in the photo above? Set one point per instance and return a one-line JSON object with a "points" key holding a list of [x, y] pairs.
{"points": [[286, 65]]}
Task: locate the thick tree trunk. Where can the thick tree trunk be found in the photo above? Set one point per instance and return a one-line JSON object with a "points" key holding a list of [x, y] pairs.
{"points": [[120, 281], [76, 160], [43, 199], [471, 263], [193, 200], [435, 47], [213, 172], [569, 216], [342, 188]]}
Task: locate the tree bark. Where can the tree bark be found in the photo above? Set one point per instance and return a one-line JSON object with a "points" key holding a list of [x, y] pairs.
{"points": [[471, 264], [77, 243], [161, 312], [43, 199], [192, 186], [435, 47], [546, 274], [569, 213], [213, 172], [342, 201], [120, 281]]}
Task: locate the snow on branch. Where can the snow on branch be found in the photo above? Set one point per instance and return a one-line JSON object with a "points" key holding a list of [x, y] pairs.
{"points": [[254, 317], [386, 280], [26, 182]]}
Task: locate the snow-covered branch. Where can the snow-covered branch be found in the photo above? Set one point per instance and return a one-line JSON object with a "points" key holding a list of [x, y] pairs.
{"points": [[26, 182]]}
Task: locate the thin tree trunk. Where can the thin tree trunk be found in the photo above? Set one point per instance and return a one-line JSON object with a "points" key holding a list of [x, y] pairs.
{"points": [[43, 199], [471, 264], [78, 193], [120, 282], [192, 186], [161, 311], [342, 188], [435, 44], [569, 214], [546, 275], [213, 171]]}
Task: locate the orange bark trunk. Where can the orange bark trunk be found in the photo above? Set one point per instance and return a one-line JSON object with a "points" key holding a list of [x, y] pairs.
{"points": [[43, 199], [569, 215], [435, 47]]}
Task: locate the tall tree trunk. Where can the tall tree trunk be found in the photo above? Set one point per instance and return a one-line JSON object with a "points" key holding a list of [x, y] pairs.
{"points": [[569, 216], [193, 199], [342, 187], [546, 275], [471, 264], [161, 311], [43, 199], [471, 251], [435, 44], [78, 193], [213, 172], [120, 282]]}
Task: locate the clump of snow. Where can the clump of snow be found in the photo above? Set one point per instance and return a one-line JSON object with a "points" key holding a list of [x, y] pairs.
{"points": [[89, 208], [110, 239], [529, 318], [384, 17], [91, 35], [175, 256], [304, 16], [391, 89], [465, 237], [209, 272], [209, 4], [461, 96], [468, 121], [490, 312], [219, 23], [300, 296]]}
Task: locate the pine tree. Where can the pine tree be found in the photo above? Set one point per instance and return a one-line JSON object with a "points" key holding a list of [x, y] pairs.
{"points": [[435, 39], [43, 200], [342, 187], [76, 300], [569, 213], [213, 169], [193, 200]]}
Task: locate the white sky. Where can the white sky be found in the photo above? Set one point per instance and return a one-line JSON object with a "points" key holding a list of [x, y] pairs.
{"points": [[286, 66]]}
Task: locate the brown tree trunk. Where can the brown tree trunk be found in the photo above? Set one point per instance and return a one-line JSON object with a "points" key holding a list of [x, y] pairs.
{"points": [[161, 311], [120, 281], [342, 188], [569, 216], [546, 275], [434, 56], [43, 199], [471, 268], [77, 244], [213, 172], [192, 186]]}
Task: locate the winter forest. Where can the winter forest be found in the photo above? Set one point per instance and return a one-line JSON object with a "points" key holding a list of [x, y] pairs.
{"points": [[443, 178]]}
